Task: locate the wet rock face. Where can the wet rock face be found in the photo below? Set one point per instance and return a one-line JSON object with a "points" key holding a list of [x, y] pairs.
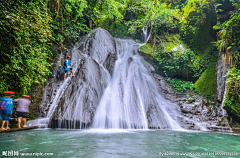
{"points": [[71, 106], [202, 113], [109, 62], [221, 72], [102, 49], [164, 88], [195, 109], [78, 99]]}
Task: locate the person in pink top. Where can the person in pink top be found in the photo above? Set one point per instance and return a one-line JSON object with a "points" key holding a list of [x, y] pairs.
{"points": [[22, 109]]}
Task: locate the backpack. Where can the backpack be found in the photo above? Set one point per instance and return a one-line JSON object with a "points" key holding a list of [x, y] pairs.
{"points": [[2, 105]]}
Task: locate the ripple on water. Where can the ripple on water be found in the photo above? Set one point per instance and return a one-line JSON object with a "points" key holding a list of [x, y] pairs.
{"points": [[118, 143]]}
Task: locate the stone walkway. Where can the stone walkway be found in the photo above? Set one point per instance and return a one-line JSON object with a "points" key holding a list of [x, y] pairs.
{"points": [[19, 129]]}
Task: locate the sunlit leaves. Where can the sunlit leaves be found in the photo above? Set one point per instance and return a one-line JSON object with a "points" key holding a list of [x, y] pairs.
{"points": [[230, 34], [102, 10], [76, 6], [151, 13]]}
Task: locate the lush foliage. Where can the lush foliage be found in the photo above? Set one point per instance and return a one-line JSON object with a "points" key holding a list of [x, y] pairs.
{"points": [[181, 85], [197, 18], [175, 63], [158, 16], [230, 36], [234, 81], [24, 33], [29, 28], [173, 59], [71, 18]]}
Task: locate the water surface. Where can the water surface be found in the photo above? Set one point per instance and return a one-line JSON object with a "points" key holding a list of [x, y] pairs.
{"points": [[119, 143]]}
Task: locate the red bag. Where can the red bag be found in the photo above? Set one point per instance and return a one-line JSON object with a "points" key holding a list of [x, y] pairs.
{"points": [[2, 105]]}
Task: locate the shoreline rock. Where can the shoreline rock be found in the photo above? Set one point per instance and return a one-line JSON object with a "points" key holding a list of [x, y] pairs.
{"points": [[195, 108]]}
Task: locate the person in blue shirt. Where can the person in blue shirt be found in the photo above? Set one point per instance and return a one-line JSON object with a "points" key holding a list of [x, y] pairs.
{"points": [[8, 110], [67, 66], [2, 107]]}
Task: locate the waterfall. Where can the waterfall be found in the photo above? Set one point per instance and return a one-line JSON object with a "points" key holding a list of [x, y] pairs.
{"points": [[112, 88], [131, 94], [221, 81]]}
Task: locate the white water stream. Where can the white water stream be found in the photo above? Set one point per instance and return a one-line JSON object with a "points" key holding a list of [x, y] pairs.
{"points": [[131, 91]]}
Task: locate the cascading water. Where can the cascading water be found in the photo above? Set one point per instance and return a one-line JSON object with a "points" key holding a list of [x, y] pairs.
{"points": [[221, 80], [112, 88], [129, 97], [145, 37]]}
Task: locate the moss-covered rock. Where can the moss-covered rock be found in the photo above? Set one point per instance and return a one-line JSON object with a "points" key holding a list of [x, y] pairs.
{"points": [[34, 107], [147, 48], [171, 42], [164, 43], [206, 83], [232, 104]]}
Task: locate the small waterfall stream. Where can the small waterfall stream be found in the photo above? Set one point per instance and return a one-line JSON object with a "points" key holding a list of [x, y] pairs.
{"points": [[221, 80], [145, 36]]}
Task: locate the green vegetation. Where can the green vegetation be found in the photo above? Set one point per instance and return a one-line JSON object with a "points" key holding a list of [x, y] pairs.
{"points": [[232, 101], [197, 18], [205, 84], [147, 48], [29, 28], [180, 85], [175, 63], [25, 45], [181, 43]]}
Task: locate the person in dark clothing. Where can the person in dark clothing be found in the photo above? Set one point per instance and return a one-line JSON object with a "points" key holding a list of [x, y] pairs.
{"points": [[67, 66]]}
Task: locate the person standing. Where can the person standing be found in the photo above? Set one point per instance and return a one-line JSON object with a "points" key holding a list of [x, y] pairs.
{"points": [[8, 108], [22, 109], [67, 66]]}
